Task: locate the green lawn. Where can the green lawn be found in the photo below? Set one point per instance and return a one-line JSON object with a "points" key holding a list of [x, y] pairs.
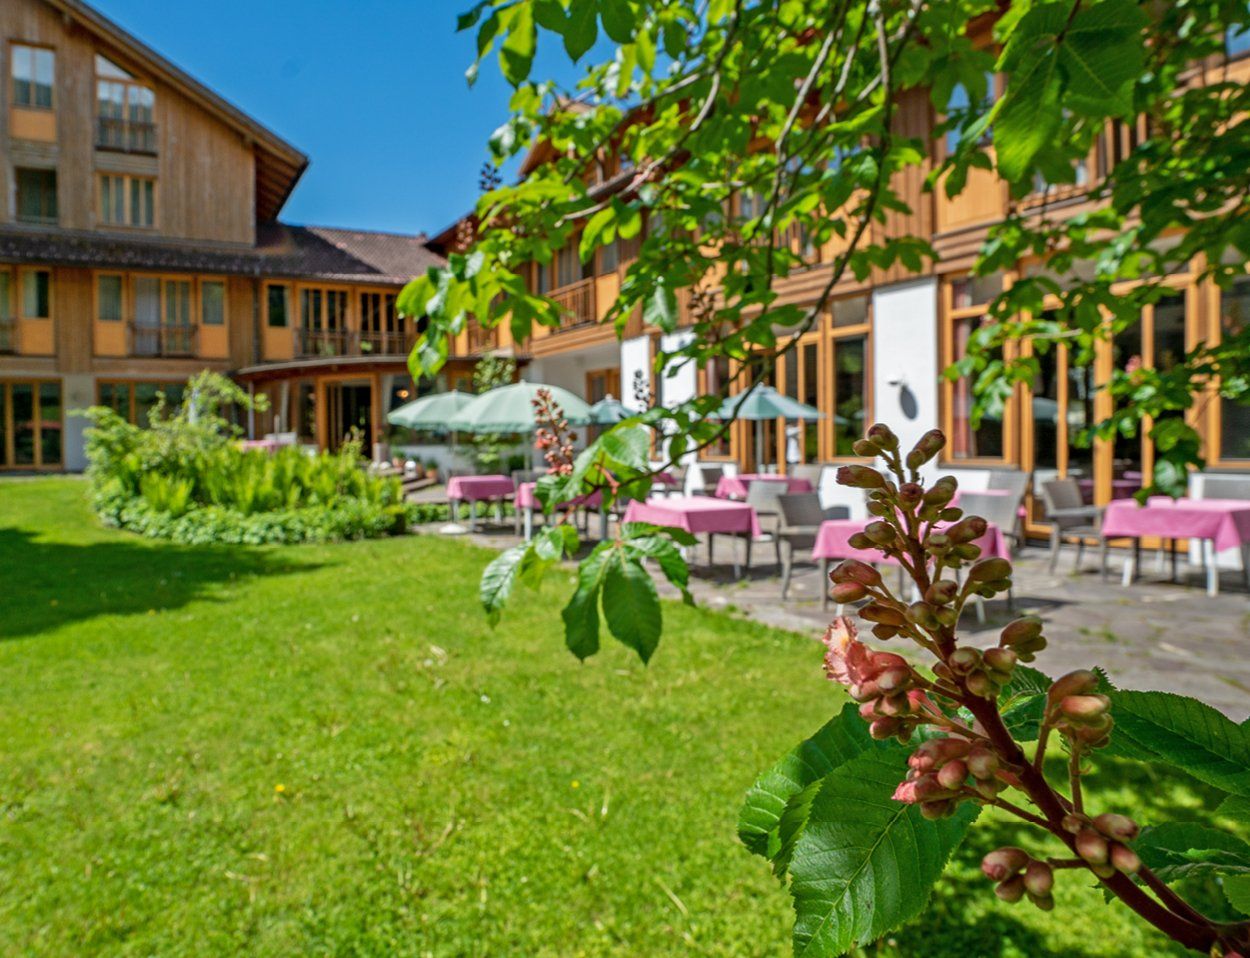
{"points": [[326, 751]]}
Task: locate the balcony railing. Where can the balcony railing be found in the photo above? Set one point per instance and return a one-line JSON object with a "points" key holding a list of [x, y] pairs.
{"points": [[8, 336], [577, 304], [352, 342], [125, 136], [381, 342], [481, 340], [167, 341]]}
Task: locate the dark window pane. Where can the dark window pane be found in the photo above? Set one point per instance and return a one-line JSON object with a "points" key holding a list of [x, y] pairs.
{"points": [[850, 401], [4, 425], [213, 303], [277, 296], [36, 294], [23, 397], [50, 424], [811, 389], [1235, 415], [110, 298], [986, 441], [36, 195]]}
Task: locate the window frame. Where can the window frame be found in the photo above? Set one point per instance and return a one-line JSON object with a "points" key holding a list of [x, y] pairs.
{"points": [[286, 305], [34, 48], [129, 84], [22, 273], [128, 183], [829, 364], [122, 296], [1215, 441], [8, 451], [52, 220]]}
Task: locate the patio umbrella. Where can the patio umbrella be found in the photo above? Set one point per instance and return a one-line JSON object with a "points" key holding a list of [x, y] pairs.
{"points": [[430, 413], [760, 405], [608, 411], [511, 409]]}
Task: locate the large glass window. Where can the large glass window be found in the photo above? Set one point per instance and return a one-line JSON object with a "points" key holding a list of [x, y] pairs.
{"points": [[134, 401], [8, 327], [36, 195], [127, 201], [30, 425], [109, 298], [125, 110], [212, 303], [33, 71], [1235, 414], [960, 105], [969, 300], [850, 392]]}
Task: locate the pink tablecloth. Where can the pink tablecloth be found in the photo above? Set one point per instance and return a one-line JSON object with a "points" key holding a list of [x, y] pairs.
{"points": [[735, 487], [476, 488], [258, 445], [525, 498], [1226, 522], [696, 514], [833, 542]]}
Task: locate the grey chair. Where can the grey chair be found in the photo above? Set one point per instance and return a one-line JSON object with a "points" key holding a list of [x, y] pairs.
{"points": [[811, 471], [519, 476], [1003, 511], [1070, 518], [764, 498], [1225, 487], [710, 476], [679, 486], [801, 516]]}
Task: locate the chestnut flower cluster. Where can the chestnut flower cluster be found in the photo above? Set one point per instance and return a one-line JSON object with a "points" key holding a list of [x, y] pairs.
{"points": [[968, 754], [553, 436]]}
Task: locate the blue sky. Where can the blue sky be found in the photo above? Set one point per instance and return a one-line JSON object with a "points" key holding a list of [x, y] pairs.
{"points": [[373, 91]]}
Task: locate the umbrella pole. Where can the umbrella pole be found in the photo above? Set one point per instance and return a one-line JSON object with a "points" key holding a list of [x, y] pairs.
{"points": [[759, 445]]}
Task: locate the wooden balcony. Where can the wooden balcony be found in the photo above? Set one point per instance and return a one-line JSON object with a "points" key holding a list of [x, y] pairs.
{"points": [[164, 341], [577, 304], [481, 339], [8, 336], [352, 342], [125, 136]]}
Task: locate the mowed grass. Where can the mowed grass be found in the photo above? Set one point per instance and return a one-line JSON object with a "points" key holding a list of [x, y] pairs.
{"points": [[326, 751]]}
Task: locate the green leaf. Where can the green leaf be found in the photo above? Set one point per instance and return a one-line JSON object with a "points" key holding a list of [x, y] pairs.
{"points": [[599, 230], [669, 558], [865, 864], [1182, 732], [516, 54], [1237, 891], [1102, 52], [1179, 850], [1236, 807], [618, 20], [498, 580], [581, 615], [660, 308], [581, 30], [631, 606], [1023, 701], [768, 802]]}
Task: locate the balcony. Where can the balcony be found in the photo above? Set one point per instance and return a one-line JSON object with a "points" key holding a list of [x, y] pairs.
{"points": [[125, 136], [165, 341], [577, 304], [481, 339], [8, 336], [352, 342]]}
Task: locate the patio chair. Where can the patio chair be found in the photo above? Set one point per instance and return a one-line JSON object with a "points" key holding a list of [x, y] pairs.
{"points": [[801, 516], [1070, 518], [1003, 511], [1016, 483], [763, 498], [709, 476], [811, 471], [519, 476], [679, 486]]}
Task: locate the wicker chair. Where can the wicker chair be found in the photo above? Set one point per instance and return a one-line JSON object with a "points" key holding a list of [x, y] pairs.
{"points": [[1070, 518]]}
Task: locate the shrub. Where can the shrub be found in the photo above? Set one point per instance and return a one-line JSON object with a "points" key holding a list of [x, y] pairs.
{"points": [[185, 478]]}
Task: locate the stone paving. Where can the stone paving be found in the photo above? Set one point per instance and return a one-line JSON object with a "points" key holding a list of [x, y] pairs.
{"points": [[1154, 634]]}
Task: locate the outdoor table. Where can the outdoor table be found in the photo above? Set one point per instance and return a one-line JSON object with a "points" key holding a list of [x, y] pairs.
{"points": [[473, 489], [259, 445], [833, 541], [527, 502], [700, 514], [1219, 523], [736, 487]]}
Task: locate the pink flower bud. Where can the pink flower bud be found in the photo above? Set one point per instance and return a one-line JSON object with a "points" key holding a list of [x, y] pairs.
{"points": [[1080, 682], [942, 592], [1002, 863], [1084, 709], [1120, 827], [881, 532], [880, 435], [1092, 847], [845, 592], [860, 477], [909, 493], [936, 810], [1124, 859], [928, 446], [852, 570], [982, 763], [952, 775], [894, 679], [884, 728], [965, 659], [990, 570], [1011, 890], [876, 612], [968, 529], [981, 685], [1022, 629], [942, 491], [1044, 902], [862, 447], [1039, 878], [1002, 660]]}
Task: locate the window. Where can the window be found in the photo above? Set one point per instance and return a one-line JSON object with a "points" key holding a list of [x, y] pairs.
{"points": [[30, 424], [212, 303], [36, 294], [960, 107], [36, 195], [8, 337], [127, 200], [134, 401], [162, 317], [970, 298], [276, 298], [608, 260], [323, 321], [381, 327], [1234, 415], [125, 110], [569, 267], [717, 376], [109, 298], [848, 365], [33, 71]]}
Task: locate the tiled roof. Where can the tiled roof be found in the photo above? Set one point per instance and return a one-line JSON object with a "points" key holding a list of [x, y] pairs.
{"points": [[300, 252]]}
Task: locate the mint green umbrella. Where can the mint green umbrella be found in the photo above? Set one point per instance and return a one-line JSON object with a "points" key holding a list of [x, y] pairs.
{"points": [[430, 413], [511, 409], [761, 404]]}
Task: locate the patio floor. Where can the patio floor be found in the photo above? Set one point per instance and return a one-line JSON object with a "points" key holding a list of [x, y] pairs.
{"points": [[1153, 634]]}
